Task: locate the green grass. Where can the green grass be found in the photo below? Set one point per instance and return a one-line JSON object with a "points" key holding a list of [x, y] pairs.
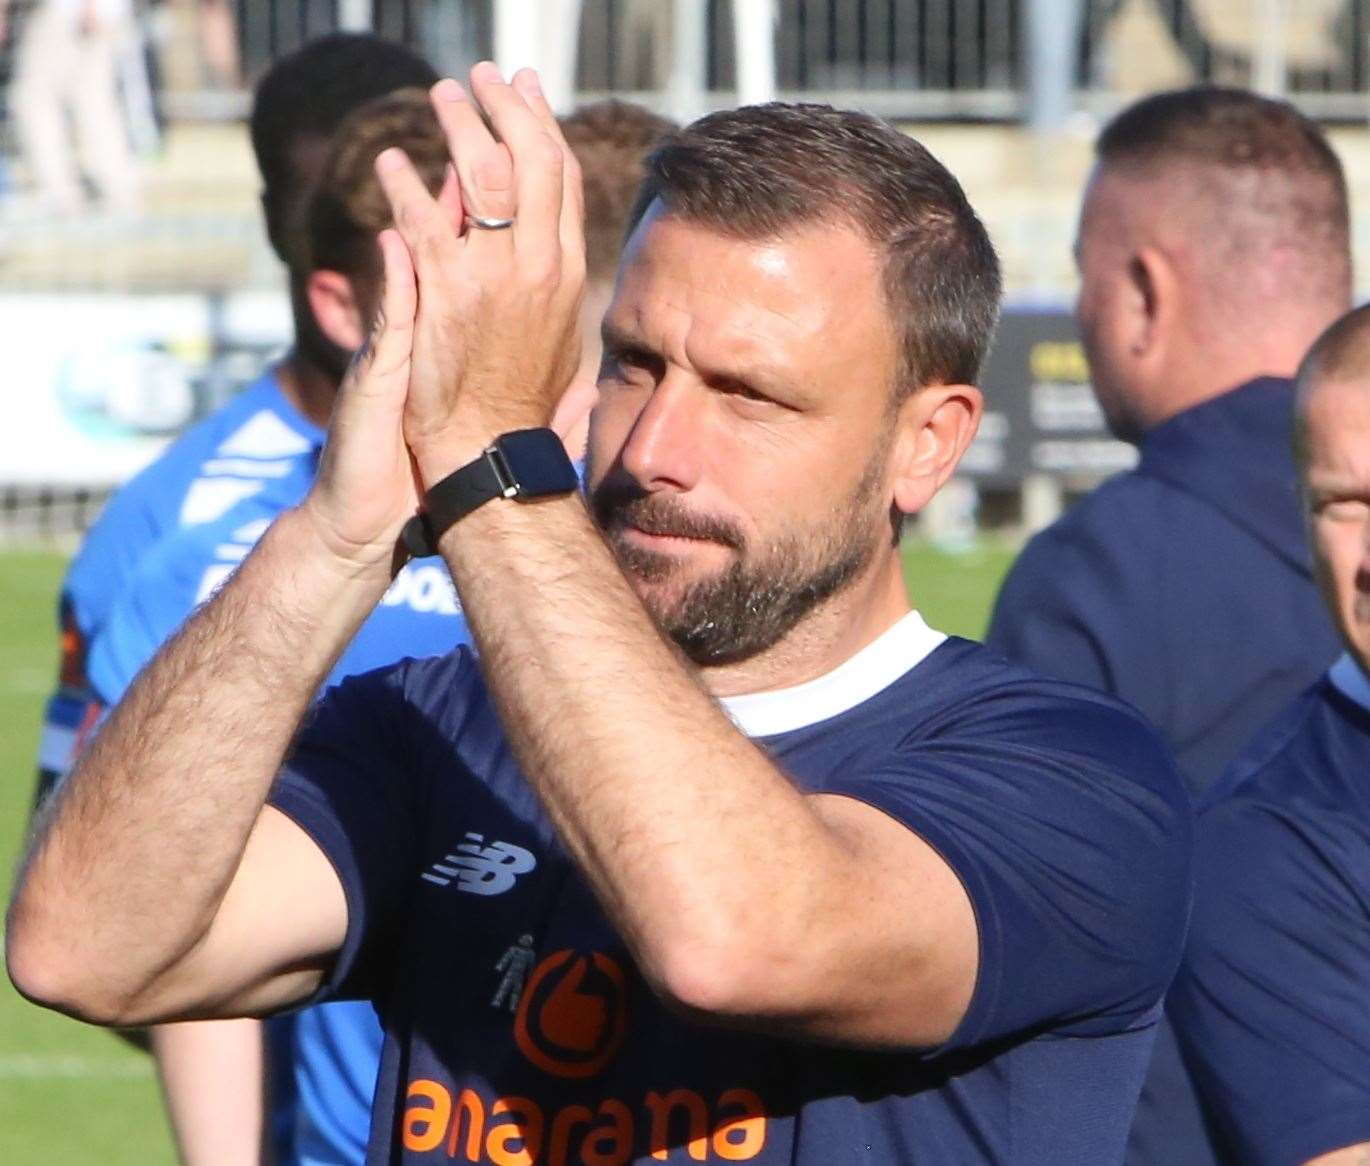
{"points": [[71, 1095]]}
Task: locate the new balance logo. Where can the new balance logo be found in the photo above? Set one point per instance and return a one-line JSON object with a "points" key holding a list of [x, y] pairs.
{"points": [[479, 869]]}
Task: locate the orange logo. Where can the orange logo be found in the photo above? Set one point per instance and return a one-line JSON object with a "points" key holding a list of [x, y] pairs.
{"points": [[573, 1014]]}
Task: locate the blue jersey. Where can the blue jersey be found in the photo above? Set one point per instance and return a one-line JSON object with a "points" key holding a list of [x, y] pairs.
{"points": [[257, 440], [520, 1030], [1271, 1003], [329, 1053]]}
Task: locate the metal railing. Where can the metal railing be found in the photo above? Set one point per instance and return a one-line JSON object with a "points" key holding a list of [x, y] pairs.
{"points": [[915, 59], [909, 59]]}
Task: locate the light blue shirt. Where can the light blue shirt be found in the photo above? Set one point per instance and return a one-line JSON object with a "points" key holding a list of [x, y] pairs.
{"points": [[335, 1048]]}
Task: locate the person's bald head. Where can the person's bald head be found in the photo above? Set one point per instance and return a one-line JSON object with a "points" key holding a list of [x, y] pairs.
{"points": [[1245, 185], [1332, 440], [1214, 246]]}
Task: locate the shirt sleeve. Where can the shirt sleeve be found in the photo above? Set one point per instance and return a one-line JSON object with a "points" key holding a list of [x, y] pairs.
{"points": [[153, 604], [108, 557], [353, 785], [1270, 1005], [173, 578], [1071, 833]]}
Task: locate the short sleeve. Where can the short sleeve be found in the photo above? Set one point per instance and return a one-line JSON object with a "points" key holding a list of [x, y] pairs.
{"points": [[172, 579], [351, 786], [135, 628], [1071, 832], [1270, 1005], [108, 557]]}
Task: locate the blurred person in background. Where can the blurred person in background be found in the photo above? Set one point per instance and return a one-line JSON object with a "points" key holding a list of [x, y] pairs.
{"points": [[268, 437], [66, 81], [217, 31], [274, 428], [1213, 247], [1270, 1006], [211, 1079]]}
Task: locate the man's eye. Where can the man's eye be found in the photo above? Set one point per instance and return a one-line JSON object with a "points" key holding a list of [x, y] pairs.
{"points": [[632, 358], [624, 364], [742, 391]]}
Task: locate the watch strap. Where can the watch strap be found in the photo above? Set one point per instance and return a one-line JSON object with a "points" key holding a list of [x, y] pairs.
{"points": [[450, 500], [492, 475]]}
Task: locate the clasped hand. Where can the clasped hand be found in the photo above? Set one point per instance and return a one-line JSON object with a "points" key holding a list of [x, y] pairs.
{"points": [[477, 331]]}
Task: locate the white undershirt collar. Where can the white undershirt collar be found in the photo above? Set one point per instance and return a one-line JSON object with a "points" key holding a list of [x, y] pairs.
{"points": [[1351, 681], [873, 669]]}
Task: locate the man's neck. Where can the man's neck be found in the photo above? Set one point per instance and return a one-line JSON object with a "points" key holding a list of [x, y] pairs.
{"points": [[829, 635], [309, 388]]}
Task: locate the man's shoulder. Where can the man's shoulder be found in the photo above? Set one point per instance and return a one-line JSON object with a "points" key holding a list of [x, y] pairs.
{"points": [[1289, 823], [250, 425], [1121, 513], [1301, 777], [971, 692], [234, 429]]}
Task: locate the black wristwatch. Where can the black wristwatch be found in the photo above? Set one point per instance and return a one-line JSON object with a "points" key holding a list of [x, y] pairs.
{"points": [[524, 464]]}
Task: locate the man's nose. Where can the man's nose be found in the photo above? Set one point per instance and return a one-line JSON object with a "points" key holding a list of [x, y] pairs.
{"points": [[665, 446]]}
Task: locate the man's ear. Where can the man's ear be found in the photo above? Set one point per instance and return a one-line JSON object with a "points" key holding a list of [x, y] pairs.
{"points": [[333, 304], [1153, 301], [935, 427]]}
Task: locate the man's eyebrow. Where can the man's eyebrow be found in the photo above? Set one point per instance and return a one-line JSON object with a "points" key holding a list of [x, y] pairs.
{"points": [[763, 378], [613, 336]]}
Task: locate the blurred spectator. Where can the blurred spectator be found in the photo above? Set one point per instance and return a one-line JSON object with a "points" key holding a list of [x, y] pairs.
{"points": [[218, 34], [1214, 247], [450, 35], [1270, 1003], [67, 61]]}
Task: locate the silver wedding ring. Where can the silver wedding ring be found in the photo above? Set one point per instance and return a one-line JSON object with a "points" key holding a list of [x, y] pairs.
{"points": [[485, 224]]}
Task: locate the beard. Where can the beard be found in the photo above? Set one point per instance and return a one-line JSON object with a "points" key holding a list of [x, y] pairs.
{"points": [[751, 604]]}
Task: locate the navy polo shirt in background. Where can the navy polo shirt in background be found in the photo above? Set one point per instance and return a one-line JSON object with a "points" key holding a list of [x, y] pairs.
{"points": [[1271, 1004], [1184, 587]]}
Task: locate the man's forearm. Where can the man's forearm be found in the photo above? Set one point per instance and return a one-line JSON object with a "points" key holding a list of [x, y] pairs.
{"points": [[213, 1075], [135, 853], [684, 828]]}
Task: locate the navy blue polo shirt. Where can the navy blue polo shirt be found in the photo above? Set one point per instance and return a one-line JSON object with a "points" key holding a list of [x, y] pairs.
{"points": [[1272, 1005], [1183, 586], [518, 1028]]}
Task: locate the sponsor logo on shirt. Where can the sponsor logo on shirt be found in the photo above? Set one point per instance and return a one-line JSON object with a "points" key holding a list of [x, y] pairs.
{"points": [[573, 1014], [424, 587], [572, 1019], [518, 1131], [480, 869]]}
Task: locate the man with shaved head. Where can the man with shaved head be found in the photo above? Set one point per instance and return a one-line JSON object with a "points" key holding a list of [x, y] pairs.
{"points": [[1213, 249], [1270, 1005]]}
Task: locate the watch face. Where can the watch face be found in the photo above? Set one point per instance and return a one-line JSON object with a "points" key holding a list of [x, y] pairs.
{"points": [[538, 463]]}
